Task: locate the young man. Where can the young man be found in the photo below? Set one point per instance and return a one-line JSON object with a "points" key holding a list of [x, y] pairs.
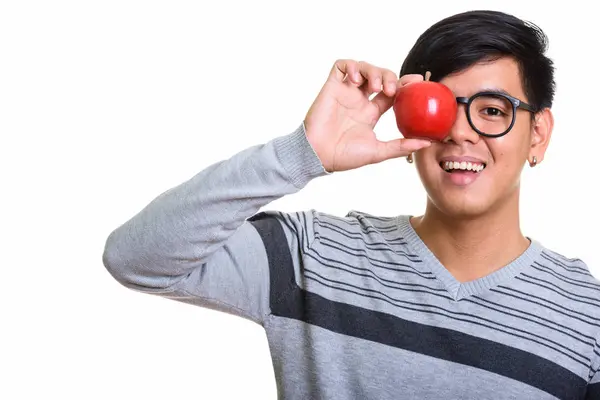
{"points": [[456, 303]]}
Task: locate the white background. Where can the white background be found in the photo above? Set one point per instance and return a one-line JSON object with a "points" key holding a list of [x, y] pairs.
{"points": [[106, 104]]}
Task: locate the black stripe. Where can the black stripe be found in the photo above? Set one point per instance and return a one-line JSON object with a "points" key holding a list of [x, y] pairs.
{"points": [[382, 247], [290, 301], [561, 289], [367, 273], [365, 228], [285, 217], [411, 287], [359, 219], [562, 257], [353, 235], [556, 256], [574, 282], [406, 305], [361, 223], [556, 324], [526, 298], [370, 274], [381, 281], [571, 268], [384, 229], [361, 253], [305, 236], [593, 392], [373, 217], [292, 227], [346, 220], [397, 267], [557, 290]]}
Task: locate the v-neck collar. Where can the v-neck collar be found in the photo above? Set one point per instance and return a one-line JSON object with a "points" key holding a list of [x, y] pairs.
{"points": [[459, 290]]}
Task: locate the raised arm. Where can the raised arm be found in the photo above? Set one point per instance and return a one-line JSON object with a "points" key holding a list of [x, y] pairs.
{"points": [[193, 243]]}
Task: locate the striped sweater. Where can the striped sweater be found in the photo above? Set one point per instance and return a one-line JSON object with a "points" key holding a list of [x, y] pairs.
{"points": [[357, 307]]}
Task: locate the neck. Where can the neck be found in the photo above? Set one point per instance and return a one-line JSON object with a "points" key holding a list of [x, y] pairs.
{"points": [[475, 246]]}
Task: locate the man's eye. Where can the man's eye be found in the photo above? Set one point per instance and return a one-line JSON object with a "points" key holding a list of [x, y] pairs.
{"points": [[491, 111]]}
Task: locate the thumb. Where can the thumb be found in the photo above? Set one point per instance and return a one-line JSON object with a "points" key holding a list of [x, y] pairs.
{"points": [[399, 148]]}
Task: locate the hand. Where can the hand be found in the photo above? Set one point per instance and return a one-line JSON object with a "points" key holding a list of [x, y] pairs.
{"points": [[339, 124]]}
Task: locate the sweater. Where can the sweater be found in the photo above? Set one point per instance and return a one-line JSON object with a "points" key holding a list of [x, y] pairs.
{"points": [[357, 306]]}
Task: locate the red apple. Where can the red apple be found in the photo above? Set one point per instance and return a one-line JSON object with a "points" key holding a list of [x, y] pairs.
{"points": [[425, 110]]}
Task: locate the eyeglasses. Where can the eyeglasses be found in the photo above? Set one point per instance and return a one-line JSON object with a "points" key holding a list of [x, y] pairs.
{"points": [[492, 113]]}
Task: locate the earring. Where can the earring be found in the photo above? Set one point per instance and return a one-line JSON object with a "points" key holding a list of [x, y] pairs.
{"points": [[533, 162], [409, 158]]}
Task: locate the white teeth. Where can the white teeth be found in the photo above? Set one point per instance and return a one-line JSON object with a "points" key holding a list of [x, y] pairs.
{"points": [[463, 165]]}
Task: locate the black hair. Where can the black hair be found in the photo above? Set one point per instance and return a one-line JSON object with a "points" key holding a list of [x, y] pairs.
{"points": [[459, 41]]}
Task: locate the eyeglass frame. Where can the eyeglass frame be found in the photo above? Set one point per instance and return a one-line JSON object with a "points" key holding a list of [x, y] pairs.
{"points": [[515, 102]]}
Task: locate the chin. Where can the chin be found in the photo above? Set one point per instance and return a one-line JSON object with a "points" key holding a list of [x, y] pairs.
{"points": [[461, 206], [466, 187]]}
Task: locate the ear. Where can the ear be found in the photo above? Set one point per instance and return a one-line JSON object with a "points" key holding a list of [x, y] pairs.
{"points": [[541, 131]]}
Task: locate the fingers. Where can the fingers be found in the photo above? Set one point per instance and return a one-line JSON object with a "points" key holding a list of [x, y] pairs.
{"points": [[370, 78], [408, 79], [358, 72], [377, 80], [399, 148], [383, 101], [343, 69]]}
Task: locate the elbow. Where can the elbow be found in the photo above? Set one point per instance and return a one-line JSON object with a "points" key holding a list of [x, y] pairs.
{"points": [[131, 267], [115, 262], [124, 263]]}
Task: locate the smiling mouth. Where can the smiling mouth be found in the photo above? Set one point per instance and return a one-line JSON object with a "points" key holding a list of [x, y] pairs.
{"points": [[463, 166]]}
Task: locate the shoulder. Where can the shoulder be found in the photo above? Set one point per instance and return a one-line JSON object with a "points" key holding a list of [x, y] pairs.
{"points": [[351, 218], [565, 282], [316, 224], [363, 224], [568, 267]]}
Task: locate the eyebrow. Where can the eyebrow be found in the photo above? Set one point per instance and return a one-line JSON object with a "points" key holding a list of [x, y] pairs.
{"points": [[494, 90], [490, 90]]}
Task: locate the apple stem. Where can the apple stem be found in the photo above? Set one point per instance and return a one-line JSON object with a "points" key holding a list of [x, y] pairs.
{"points": [[427, 75]]}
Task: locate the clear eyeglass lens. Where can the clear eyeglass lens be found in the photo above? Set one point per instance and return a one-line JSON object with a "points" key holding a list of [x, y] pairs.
{"points": [[491, 114]]}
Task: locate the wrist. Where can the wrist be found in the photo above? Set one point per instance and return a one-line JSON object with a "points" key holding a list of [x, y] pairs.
{"points": [[299, 157]]}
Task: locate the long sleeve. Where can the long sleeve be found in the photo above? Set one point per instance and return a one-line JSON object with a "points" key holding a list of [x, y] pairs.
{"points": [[193, 243]]}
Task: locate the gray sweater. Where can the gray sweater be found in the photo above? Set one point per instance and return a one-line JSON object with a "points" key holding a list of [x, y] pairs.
{"points": [[356, 306]]}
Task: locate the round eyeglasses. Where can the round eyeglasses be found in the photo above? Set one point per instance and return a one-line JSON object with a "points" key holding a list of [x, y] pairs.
{"points": [[492, 113]]}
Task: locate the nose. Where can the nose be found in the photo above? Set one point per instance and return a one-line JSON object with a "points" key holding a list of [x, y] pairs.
{"points": [[462, 131]]}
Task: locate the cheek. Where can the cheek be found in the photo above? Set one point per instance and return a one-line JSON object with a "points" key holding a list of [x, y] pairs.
{"points": [[426, 167], [509, 157], [424, 158], [509, 151]]}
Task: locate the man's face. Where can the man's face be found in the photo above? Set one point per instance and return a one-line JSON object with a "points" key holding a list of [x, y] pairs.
{"points": [[473, 192]]}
